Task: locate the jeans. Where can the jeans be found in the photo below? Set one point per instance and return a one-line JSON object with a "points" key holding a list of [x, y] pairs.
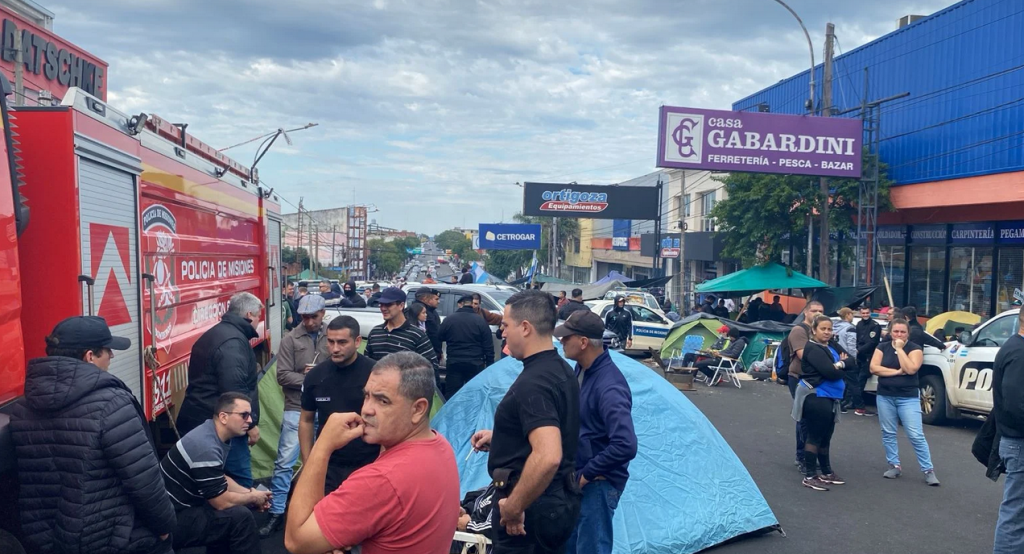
{"points": [[801, 435], [287, 455], [596, 511], [1010, 525], [238, 466], [893, 410]]}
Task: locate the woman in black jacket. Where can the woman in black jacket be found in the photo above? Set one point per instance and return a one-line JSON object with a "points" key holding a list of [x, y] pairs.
{"points": [[816, 404], [917, 333]]}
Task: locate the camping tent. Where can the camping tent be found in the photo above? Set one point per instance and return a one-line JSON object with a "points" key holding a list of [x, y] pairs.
{"points": [[613, 276], [771, 276], [704, 328], [834, 298], [687, 489], [949, 321], [757, 333]]}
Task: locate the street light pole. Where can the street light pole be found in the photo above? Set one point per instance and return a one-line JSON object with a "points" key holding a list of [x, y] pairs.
{"points": [[810, 47]]}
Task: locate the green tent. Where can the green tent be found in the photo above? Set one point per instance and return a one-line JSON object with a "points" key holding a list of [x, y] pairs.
{"points": [[755, 348], [771, 276], [705, 328]]}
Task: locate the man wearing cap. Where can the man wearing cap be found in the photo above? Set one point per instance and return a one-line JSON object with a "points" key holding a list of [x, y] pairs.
{"points": [[90, 479], [607, 440], [430, 297], [223, 361], [620, 322], [301, 349], [470, 347], [398, 333]]}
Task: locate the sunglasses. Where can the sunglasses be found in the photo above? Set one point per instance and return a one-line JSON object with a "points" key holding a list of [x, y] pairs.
{"points": [[245, 415]]}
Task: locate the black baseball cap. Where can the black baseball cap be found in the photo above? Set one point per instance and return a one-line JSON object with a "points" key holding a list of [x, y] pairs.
{"points": [[581, 322], [426, 291], [87, 331]]}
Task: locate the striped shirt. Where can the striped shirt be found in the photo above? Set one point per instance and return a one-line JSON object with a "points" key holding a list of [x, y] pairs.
{"points": [[408, 337], [194, 468]]}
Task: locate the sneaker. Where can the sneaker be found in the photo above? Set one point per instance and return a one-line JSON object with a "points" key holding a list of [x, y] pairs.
{"points": [[844, 409], [815, 483], [931, 479], [863, 412], [894, 472], [832, 479]]}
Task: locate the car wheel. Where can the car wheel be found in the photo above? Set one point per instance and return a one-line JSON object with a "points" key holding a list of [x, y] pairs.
{"points": [[933, 400]]}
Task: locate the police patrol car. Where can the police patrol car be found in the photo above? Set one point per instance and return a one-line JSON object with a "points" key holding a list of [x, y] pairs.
{"points": [[649, 327]]}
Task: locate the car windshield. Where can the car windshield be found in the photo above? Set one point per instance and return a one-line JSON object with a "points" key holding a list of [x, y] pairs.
{"points": [[500, 296]]}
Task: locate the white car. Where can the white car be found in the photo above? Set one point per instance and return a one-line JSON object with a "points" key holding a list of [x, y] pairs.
{"points": [[649, 327], [636, 296]]}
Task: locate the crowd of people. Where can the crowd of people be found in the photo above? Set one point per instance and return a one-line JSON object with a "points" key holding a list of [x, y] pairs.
{"points": [[374, 474]]}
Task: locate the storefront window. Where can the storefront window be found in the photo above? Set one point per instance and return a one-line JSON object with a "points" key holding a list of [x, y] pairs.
{"points": [[892, 264], [970, 280], [1011, 276], [927, 271]]}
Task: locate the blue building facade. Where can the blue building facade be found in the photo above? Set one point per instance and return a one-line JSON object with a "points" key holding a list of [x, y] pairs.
{"points": [[954, 147]]}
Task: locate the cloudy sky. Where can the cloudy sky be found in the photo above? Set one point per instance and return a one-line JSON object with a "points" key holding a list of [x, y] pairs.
{"points": [[432, 111]]}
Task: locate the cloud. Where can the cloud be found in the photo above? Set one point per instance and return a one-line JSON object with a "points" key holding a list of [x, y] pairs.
{"points": [[431, 111]]}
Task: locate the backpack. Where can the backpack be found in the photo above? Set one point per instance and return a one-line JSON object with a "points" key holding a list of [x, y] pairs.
{"points": [[784, 357]]}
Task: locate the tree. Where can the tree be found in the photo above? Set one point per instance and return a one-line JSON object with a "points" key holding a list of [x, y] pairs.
{"points": [[291, 255], [763, 214], [386, 257], [450, 240], [507, 263]]}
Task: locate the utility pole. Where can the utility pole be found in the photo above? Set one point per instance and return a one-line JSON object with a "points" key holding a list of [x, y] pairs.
{"points": [[334, 243], [554, 248], [318, 249], [298, 241], [826, 111]]}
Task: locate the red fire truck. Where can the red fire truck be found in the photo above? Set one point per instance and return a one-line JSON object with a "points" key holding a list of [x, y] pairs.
{"points": [[129, 218]]}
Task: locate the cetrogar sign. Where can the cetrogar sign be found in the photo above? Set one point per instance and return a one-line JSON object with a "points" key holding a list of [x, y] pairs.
{"points": [[590, 201], [718, 140], [494, 236]]}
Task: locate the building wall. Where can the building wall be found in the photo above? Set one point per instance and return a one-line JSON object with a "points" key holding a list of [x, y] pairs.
{"points": [[580, 254], [962, 68]]}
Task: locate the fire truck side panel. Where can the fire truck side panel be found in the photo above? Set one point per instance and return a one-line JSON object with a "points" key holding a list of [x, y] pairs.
{"points": [[50, 247], [274, 281], [109, 224], [12, 371], [202, 243]]}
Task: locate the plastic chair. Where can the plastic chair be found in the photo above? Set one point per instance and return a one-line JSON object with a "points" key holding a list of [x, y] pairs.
{"points": [[726, 368]]}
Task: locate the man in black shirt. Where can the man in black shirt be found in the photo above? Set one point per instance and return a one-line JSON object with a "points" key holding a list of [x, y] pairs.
{"points": [[575, 303], [536, 432], [470, 348], [336, 386], [397, 333], [620, 322]]}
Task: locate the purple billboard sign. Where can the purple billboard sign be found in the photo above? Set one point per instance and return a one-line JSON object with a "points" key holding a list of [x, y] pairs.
{"points": [[718, 140]]}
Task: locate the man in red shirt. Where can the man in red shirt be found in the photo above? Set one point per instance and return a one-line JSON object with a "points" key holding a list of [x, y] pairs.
{"points": [[408, 499]]}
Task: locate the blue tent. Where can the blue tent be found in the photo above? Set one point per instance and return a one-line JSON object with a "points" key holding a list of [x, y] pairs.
{"points": [[687, 489], [612, 276]]}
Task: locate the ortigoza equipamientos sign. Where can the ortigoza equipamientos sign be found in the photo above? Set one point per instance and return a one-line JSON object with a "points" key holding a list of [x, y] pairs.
{"points": [[590, 201]]}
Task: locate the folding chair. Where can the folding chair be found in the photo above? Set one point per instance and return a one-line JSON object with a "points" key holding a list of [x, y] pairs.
{"points": [[472, 542], [727, 368], [691, 344]]}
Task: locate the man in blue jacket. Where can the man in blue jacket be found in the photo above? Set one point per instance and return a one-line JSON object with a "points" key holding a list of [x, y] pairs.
{"points": [[607, 440]]}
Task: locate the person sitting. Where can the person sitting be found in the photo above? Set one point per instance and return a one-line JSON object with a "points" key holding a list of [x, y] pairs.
{"points": [[417, 468], [776, 311], [720, 310], [723, 336], [213, 510], [734, 350]]}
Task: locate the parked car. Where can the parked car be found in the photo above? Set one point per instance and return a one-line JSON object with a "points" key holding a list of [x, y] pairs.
{"points": [[636, 296], [649, 326]]}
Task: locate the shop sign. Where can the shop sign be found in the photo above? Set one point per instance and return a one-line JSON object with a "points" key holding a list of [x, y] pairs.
{"points": [[620, 233], [717, 140], [498, 236], [1011, 232], [928, 234], [62, 67], [590, 201], [669, 252], [973, 233], [891, 234]]}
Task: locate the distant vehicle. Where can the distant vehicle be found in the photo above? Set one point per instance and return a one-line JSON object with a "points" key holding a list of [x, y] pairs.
{"points": [[650, 327], [636, 296]]}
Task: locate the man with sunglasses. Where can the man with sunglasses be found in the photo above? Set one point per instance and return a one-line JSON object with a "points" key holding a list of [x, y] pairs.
{"points": [[607, 438], [213, 509], [301, 349], [82, 443], [398, 334]]}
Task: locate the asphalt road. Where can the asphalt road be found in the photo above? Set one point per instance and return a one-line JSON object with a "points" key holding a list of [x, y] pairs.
{"points": [[869, 513]]}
